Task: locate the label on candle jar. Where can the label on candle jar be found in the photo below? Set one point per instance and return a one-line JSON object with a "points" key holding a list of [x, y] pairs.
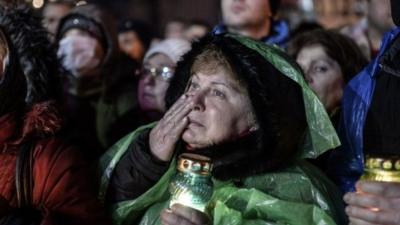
{"points": [[192, 185]]}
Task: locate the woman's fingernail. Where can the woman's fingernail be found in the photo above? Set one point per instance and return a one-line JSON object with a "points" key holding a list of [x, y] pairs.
{"points": [[174, 207], [168, 210]]}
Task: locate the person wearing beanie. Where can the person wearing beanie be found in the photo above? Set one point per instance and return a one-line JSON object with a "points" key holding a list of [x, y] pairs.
{"points": [[255, 19], [371, 127], [43, 179], [134, 38], [100, 83], [158, 68], [246, 106]]}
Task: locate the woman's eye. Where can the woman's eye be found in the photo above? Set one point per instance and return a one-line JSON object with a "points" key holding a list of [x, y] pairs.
{"points": [[194, 86], [218, 93], [321, 69]]}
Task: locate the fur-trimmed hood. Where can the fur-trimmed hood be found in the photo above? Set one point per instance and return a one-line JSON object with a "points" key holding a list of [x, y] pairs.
{"points": [[30, 82], [32, 60], [41, 121], [276, 99]]}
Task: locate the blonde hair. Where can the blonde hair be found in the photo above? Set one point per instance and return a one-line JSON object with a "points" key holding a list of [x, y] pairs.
{"points": [[213, 60]]}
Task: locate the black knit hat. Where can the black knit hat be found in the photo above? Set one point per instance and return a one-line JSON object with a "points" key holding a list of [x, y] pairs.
{"points": [[276, 99], [142, 30], [86, 24]]}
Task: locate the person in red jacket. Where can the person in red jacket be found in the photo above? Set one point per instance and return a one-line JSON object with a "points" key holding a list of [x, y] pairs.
{"points": [[42, 179]]}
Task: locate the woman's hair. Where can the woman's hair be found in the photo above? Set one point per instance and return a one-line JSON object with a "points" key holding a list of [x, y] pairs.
{"points": [[340, 48], [213, 60]]}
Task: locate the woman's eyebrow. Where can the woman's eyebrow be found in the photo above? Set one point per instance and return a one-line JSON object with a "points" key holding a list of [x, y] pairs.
{"points": [[227, 85], [194, 76]]}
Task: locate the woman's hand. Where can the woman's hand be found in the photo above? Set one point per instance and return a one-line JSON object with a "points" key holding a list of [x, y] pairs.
{"points": [[182, 215], [374, 203], [167, 132]]}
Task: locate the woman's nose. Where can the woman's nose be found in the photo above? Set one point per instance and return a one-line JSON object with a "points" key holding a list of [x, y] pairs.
{"points": [[308, 79], [197, 99], [148, 79]]}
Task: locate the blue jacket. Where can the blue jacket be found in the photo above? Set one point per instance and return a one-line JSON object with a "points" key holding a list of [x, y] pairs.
{"points": [[347, 161], [280, 34]]}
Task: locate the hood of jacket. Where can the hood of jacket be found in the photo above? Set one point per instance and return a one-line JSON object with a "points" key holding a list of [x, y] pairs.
{"points": [[102, 19], [277, 99], [31, 73]]}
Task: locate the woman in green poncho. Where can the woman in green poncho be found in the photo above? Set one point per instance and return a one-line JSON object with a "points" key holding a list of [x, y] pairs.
{"points": [[246, 106]]}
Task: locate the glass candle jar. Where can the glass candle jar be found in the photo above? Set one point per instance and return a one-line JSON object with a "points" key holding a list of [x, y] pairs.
{"points": [[379, 168], [192, 185]]}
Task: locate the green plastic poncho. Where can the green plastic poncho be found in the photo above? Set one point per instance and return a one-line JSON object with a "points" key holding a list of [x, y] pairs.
{"points": [[297, 195]]}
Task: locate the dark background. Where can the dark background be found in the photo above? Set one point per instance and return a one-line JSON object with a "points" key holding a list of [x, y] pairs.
{"points": [[158, 12]]}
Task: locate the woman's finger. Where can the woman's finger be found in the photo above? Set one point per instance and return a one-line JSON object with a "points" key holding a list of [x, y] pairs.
{"points": [[192, 215], [179, 115], [177, 130], [387, 189], [169, 125], [373, 215], [362, 200], [176, 106], [180, 112], [163, 141], [169, 217], [356, 221]]}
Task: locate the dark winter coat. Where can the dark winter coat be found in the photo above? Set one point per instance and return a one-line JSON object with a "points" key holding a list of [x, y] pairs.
{"points": [[63, 190]]}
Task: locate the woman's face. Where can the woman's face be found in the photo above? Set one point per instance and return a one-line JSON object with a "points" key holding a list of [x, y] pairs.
{"points": [[322, 74], [130, 43], [222, 110], [81, 53], [153, 84]]}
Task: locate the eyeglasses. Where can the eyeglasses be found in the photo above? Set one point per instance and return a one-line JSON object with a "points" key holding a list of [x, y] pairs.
{"points": [[165, 73]]}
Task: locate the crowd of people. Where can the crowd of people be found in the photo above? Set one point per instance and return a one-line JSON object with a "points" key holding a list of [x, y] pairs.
{"points": [[94, 114]]}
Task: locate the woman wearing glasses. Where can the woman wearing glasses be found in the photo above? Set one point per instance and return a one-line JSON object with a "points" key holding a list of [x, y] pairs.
{"points": [[158, 68]]}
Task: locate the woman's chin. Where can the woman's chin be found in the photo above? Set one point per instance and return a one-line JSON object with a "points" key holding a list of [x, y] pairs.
{"points": [[189, 137]]}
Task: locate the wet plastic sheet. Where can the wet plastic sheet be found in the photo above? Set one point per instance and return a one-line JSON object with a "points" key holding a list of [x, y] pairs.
{"points": [[255, 207], [293, 198], [109, 160]]}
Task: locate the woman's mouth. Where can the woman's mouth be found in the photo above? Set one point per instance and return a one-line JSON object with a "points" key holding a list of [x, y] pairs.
{"points": [[147, 95], [237, 8], [194, 123]]}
